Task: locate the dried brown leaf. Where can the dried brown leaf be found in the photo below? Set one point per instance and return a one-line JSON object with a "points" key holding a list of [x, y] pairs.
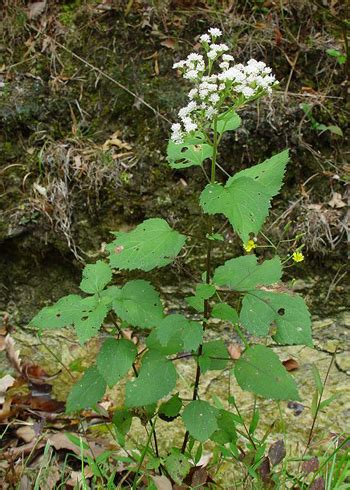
{"points": [[5, 383], [337, 201], [12, 353], [36, 9], [310, 465], [26, 433], [169, 43], [277, 452], [162, 482], [61, 441], [318, 484], [235, 351], [291, 364]]}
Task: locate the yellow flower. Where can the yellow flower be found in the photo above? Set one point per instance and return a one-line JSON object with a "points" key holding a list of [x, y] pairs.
{"points": [[298, 256], [249, 246]]}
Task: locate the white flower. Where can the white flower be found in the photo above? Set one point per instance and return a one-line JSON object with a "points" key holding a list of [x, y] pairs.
{"points": [[227, 57], [213, 31], [191, 75], [189, 124], [179, 64], [205, 38], [192, 93], [210, 112], [195, 57], [214, 98], [224, 65], [247, 91], [223, 47], [212, 54], [176, 136]]}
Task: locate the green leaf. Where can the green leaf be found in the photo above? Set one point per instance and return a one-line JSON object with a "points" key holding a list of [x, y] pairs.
{"points": [[151, 244], [177, 465], [289, 313], [157, 377], [95, 277], [226, 432], [340, 57], [122, 419], [269, 173], [86, 314], [228, 121], [335, 130], [211, 350], [138, 303], [115, 359], [244, 273], [260, 371], [87, 391], [200, 419], [193, 151], [225, 312], [172, 407], [203, 292], [245, 203], [175, 334], [317, 378]]}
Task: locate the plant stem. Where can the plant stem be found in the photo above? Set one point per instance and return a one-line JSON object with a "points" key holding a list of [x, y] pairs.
{"points": [[144, 452], [207, 280]]}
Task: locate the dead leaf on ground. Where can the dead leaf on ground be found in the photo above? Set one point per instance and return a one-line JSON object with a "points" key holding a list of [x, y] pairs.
{"points": [[76, 477], [5, 383], [264, 471], [169, 43], [35, 9], [26, 433], [318, 484], [337, 201], [12, 353], [235, 351], [277, 452], [162, 482], [311, 465], [61, 441], [291, 364]]}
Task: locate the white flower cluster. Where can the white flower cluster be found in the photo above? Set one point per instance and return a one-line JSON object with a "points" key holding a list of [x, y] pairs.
{"points": [[211, 90]]}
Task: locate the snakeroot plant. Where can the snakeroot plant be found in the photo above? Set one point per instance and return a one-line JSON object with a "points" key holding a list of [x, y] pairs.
{"points": [[219, 89]]}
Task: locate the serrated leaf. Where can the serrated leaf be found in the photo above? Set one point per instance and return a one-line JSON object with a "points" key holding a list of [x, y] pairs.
{"points": [[199, 418], [225, 312], [228, 121], [175, 334], [260, 371], [138, 304], [193, 151], [226, 432], [115, 359], [214, 356], [95, 277], [151, 244], [203, 292], [245, 203], [172, 407], [85, 314], [177, 465], [122, 419], [269, 173], [87, 391], [244, 273], [289, 313], [157, 377]]}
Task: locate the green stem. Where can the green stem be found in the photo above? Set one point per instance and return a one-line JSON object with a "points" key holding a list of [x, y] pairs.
{"points": [[207, 280], [143, 455]]}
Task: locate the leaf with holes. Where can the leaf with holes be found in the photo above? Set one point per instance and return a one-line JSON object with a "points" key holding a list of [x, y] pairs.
{"points": [[260, 371], [115, 359], [193, 151], [171, 408], [200, 420], [95, 277], [214, 356], [244, 273], [157, 377], [245, 203], [151, 244], [203, 292], [175, 334], [85, 314], [87, 391], [269, 174], [228, 121], [138, 304], [177, 465], [289, 313]]}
